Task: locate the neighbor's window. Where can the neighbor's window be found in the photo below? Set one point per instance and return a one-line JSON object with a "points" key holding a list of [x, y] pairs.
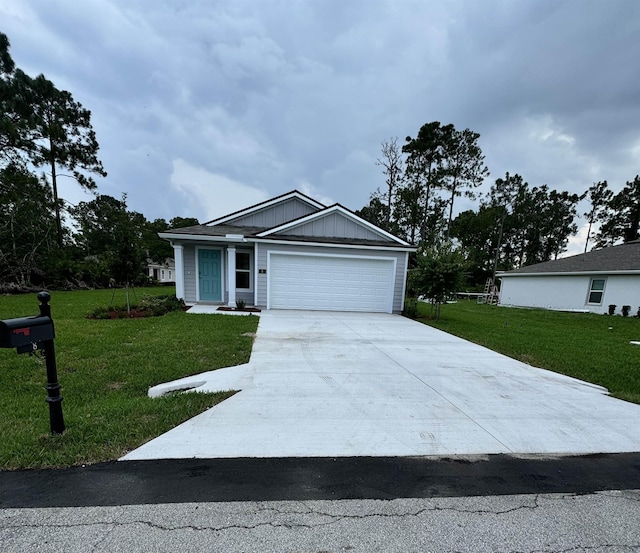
{"points": [[596, 290], [243, 270], [162, 274]]}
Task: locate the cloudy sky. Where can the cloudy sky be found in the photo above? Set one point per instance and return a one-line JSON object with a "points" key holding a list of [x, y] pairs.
{"points": [[202, 107]]}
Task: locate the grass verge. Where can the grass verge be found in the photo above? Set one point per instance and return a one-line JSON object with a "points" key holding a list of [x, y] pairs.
{"points": [[587, 346], [105, 368]]}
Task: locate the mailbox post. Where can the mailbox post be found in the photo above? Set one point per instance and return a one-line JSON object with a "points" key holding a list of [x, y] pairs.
{"points": [[54, 399], [28, 334]]}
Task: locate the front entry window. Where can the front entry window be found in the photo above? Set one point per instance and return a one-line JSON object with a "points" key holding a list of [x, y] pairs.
{"points": [[596, 290], [243, 270]]}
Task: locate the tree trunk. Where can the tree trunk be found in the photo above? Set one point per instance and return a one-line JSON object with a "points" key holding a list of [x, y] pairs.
{"points": [[54, 185], [586, 244]]}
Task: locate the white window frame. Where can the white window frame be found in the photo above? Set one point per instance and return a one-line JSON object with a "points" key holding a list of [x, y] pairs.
{"points": [[592, 290], [248, 271]]}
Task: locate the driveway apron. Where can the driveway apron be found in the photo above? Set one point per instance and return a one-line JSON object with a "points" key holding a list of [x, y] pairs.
{"points": [[331, 384]]}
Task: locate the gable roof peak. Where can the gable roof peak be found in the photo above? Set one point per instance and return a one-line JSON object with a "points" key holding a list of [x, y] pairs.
{"points": [[267, 203], [335, 208]]}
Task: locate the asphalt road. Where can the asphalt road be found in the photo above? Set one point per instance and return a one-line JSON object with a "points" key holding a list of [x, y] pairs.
{"points": [[599, 522], [327, 505]]}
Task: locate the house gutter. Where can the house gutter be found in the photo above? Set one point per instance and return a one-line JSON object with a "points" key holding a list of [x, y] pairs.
{"points": [[336, 245], [570, 273], [236, 238]]}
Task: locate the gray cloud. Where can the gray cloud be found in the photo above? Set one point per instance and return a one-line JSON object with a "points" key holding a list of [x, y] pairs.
{"points": [[251, 99]]}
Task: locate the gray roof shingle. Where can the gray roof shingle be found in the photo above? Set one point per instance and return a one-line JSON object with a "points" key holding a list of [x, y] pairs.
{"points": [[624, 257], [216, 230], [250, 232]]}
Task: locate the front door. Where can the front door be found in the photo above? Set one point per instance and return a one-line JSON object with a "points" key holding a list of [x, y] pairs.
{"points": [[210, 275]]}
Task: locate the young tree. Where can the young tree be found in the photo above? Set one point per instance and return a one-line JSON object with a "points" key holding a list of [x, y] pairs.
{"points": [[440, 273]]}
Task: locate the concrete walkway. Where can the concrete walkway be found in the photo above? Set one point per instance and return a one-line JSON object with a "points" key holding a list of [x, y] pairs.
{"points": [[347, 384]]}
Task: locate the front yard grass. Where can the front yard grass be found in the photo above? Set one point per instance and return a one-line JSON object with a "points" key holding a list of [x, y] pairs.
{"points": [[587, 346], [105, 368]]}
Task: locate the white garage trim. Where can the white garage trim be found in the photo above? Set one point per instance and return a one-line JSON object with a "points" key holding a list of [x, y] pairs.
{"points": [[374, 294]]}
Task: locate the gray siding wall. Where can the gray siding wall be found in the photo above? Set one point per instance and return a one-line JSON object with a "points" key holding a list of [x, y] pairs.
{"points": [[191, 275], [399, 277], [334, 225], [189, 255], [275, 215]]}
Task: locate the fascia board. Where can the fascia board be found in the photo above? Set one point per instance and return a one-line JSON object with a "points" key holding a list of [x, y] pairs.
{"points": [[335, 245], [201, 238], [569, 273], [329, 211]]}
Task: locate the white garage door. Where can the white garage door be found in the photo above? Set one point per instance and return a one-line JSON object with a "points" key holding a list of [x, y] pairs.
{"points": [[330, 283]]}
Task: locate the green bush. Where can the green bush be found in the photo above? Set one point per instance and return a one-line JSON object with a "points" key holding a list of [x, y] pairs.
{"points": [[148, 306], [411, 308], [159, 305]]}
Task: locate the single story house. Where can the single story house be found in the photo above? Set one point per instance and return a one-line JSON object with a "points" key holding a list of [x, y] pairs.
{"points": [[162, 272], [587, 282], [291, 252]]}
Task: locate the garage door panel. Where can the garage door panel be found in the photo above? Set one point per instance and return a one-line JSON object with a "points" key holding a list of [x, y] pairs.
{"points": [[330, 283]]}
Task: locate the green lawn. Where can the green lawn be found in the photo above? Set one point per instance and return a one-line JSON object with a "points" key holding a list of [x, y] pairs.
{"points": [[105, 368], [590, 347]]}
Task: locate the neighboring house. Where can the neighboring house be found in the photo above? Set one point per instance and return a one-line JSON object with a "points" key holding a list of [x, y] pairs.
{"points": [[588, 282], [291, 252], [162, 272]]}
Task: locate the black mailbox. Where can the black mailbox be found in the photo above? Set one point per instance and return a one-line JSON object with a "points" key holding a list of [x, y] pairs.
{"points": [[25, 333]]}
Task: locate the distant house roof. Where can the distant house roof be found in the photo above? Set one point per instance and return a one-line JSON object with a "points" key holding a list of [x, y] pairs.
{"points": [[622, 258]]}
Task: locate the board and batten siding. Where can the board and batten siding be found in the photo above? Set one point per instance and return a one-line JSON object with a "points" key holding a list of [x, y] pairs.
{"points": [[190, 275], [399, 284], [275, 215], [334, 225], [570, 292]]}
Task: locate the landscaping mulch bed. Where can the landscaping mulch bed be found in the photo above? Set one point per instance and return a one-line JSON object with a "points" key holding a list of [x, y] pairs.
{"points": [[245, 309]]}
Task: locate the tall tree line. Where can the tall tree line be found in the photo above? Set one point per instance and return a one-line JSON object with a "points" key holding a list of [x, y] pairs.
{"points": [[44, 130], [514, 225]]}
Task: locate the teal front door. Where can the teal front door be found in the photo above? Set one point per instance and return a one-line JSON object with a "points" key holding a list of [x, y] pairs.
{"points": [[210, 275]]}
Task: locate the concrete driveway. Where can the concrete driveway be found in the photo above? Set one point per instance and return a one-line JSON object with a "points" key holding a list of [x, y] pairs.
{"points": [[348, 384]]}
